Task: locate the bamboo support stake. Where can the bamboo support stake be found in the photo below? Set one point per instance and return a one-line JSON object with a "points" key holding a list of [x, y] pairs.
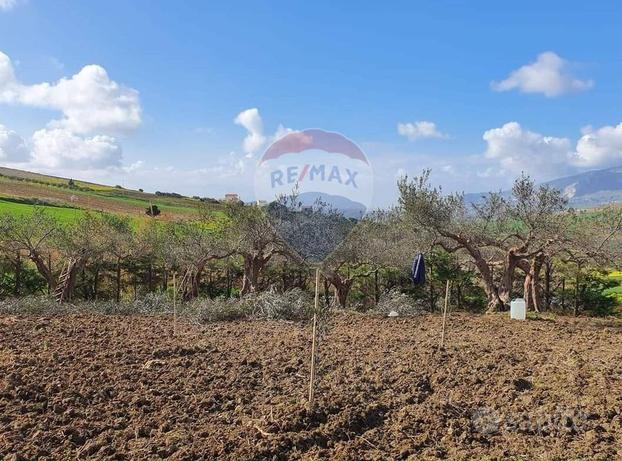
{"points": [[314, 341], [445, 314], [174, 304]]}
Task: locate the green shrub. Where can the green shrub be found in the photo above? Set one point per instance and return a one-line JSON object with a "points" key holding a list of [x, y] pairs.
{"points": [[153, 303], [219, 309], [33, 305], [399, 302], [294, 304]]}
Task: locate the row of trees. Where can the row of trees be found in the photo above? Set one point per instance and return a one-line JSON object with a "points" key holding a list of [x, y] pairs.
{"points": [[527, 244], [530, 230]]}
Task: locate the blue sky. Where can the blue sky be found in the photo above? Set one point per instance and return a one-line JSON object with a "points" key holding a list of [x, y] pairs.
{"points": [[482, 90]]}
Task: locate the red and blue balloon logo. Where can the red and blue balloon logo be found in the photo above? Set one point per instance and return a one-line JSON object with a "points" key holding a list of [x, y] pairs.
{"points": [[317, 165]]}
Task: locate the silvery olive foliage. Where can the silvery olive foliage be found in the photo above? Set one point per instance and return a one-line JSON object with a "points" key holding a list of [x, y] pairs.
{"points": [[312, 232]]}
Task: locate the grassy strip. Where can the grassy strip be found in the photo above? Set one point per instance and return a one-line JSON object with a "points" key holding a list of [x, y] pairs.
{"points": [[17, 207]]}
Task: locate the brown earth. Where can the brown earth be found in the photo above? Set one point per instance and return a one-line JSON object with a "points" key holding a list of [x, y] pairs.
{"points": [[96, 387]]}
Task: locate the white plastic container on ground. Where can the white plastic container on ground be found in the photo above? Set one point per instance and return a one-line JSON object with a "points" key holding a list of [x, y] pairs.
{"points": [[517, 309]]}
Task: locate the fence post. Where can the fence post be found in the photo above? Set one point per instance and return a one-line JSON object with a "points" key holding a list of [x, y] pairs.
{"points": [[314, 341], [445, 314]]}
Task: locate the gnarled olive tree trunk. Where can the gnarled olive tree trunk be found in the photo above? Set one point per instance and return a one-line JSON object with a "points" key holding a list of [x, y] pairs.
{"points": [[43, 268], [254, 264], [531, 284], [66, 286], [498, 293], [192, 281], [342, 285]]}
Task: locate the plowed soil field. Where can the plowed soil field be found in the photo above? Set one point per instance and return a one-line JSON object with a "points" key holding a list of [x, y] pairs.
{"points": [[126, 388]]}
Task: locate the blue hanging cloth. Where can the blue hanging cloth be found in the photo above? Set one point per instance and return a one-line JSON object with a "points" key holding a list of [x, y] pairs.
{"points": [[418, 270]]}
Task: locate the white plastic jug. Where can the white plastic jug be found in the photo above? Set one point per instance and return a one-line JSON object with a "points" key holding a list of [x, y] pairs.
{"points": [[517, 309]]}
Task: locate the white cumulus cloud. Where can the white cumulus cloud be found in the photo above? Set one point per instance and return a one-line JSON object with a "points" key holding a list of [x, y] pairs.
{"points": [[549, 75], [89, 100], [251, 120], [92, 109], [599, 148], [255, 138], [12, 147], [7, 77], [280, 132], [6, 5], [420, 129], [59, 148], [518, 150]]}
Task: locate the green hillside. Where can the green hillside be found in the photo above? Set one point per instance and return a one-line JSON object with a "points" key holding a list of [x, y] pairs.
{"points": [[67, 198], [17, 207]]}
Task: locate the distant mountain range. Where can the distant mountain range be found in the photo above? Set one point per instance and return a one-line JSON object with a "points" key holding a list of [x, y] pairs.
{"points": [[347, 207], [583, 190]]}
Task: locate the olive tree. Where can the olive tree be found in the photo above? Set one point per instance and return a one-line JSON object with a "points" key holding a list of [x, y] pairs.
{"points": [[592, 239], [255, 240], [379, 240], [498, 235], [122, 244], [79, 242], [33, 234], [191, 245]]}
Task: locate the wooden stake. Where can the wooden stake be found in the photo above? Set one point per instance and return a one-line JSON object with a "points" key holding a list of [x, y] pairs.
{"points": [[314, 341], [445, 314], [174, 304]]}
